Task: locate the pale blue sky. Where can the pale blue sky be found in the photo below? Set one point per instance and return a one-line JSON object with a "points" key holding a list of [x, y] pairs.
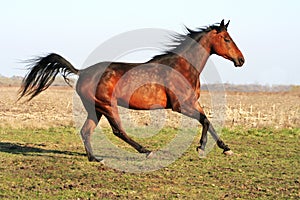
{"points": [[267, 32]]}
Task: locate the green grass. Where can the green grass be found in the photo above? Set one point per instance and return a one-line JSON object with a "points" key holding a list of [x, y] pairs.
{"points": [[50, 164]]}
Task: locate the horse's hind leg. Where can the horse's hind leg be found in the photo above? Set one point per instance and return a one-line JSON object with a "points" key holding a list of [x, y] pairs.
{"points": [[115, 123], [86, 131]]}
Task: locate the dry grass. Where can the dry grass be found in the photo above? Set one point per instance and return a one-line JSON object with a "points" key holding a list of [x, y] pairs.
{"points": [[54, 108], [50, 109], [279, 110]]}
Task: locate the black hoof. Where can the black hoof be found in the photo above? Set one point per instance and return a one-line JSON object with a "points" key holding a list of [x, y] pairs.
{"points": [[199, 148], [94, 159], [144, 150]]}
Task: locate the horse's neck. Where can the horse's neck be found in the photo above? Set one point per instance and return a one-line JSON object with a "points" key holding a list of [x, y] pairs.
{"points": [[196, 56]]}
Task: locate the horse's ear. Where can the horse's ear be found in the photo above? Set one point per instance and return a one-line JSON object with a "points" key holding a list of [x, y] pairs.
{"points": [[222, 27], [222, 24], [227, 24]]}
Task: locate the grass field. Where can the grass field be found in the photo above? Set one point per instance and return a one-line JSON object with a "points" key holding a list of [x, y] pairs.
{"points": [[50, 164], [42, 156]]}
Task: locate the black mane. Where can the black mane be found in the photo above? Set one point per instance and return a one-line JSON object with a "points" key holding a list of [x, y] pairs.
{"points": [[181, 41]]}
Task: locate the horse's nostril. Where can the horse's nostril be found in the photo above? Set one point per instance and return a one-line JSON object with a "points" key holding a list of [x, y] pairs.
{"points": [[242, 60]]}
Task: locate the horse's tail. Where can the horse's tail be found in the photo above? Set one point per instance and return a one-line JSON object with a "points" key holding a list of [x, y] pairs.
{"points": [[43, 71]]}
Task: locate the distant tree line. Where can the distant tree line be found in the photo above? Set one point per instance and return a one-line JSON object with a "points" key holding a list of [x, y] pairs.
{"points": [[17, 80]]}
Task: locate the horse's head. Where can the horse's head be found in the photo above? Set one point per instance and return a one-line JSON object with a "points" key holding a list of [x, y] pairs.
{"points": [[223, 45]]}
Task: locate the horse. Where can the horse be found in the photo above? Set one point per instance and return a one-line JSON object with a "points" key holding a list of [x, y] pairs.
{"points": [[170, 80]]}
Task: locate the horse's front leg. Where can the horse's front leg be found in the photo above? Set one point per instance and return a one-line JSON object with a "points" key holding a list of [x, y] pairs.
{"points": [[220, 143], [203, 140], [198, 113]]}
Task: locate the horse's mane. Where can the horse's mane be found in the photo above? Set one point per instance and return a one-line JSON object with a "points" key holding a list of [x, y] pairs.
{"points": [[179, 41]]}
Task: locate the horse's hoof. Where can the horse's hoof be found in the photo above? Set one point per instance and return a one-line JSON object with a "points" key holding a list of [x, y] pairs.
{"points": [[149, 155], [228, 153], [94, 159], [201, 153]]}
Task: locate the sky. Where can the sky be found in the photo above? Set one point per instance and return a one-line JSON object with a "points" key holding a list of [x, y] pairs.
{"points": [[267, 32]]}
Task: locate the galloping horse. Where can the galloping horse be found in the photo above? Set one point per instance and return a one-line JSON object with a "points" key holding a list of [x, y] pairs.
{"points": [[172, 82]]}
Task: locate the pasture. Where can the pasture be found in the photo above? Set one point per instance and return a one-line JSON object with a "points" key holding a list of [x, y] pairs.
{"points": [[42, 156]]}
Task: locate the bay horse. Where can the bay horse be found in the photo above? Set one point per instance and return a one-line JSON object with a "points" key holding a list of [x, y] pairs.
{"points": [[172, 82]]}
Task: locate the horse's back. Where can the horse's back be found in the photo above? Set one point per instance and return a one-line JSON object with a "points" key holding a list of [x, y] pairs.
{"points": [[133, 85]]}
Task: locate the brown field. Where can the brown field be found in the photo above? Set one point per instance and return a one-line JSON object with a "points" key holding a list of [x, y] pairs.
{"points": [[54, 108], [41, 163]]}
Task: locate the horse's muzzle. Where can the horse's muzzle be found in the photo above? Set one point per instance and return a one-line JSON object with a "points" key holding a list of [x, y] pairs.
{"points": [[239, 61]]}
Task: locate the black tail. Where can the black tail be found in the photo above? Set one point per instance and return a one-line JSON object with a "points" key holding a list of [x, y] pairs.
{"points": [[43, 71]]}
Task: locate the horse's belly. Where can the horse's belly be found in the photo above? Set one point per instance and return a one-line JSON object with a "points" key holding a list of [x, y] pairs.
{"points": [[150, 96]]}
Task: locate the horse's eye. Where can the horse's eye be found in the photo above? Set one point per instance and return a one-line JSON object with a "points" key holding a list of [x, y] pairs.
{"points": [[227, 39]]}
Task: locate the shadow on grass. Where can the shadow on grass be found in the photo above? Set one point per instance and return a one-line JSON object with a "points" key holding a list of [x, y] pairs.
{"points": [[30, 149]]}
